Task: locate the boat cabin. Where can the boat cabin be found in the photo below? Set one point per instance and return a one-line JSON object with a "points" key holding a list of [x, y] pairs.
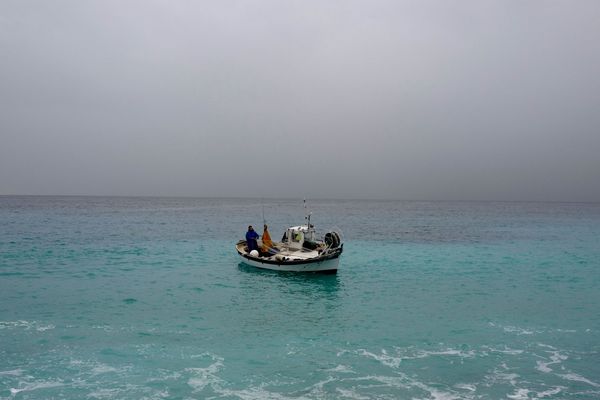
{"points": [[297, 237]]}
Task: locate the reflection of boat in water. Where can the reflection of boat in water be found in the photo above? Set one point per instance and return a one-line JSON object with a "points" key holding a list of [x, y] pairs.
{"points": [[298, 251]]}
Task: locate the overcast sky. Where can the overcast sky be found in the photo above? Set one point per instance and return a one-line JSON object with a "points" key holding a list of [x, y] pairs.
{"points": [[325, 99]]}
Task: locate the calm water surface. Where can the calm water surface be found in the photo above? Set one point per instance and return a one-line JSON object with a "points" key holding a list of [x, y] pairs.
{"points": [[131, 298]]}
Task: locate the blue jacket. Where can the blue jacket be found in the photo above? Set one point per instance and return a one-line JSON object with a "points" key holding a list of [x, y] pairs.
{"points": [[251, 237]]}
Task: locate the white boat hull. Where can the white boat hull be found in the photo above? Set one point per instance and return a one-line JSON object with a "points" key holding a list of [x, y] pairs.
{"points": [[330, 265]]}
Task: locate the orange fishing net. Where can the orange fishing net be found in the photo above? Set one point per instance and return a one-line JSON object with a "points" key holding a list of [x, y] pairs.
{"points": [[266, 240]]}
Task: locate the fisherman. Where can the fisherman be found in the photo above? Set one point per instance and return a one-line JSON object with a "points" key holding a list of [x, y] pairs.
{"points": [[251, 237], [267, 247]]}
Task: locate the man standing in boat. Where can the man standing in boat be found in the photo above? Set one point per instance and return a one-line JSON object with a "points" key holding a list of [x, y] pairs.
{"points": [[267, 248], [251, 237]]}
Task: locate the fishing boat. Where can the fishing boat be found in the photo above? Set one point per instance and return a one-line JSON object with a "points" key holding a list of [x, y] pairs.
{"points": [[300, 250]]}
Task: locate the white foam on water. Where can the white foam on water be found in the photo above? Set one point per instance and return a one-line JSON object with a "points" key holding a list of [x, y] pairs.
{"points": [[519, 394], [28, 387], [399, 381], [394, 361], [342, 352], [543, 366], [517, 330], [446, 352], [528, 331], [203, 377], [511, 378], [43, 328], [105, 393], [588, 394], [165, 375], [13, 372], [350, 394], [103, 369], [260, 392], [555, 358], [317, 388], [144, 349], [96, 368], [162, 394], [292, 349], [506, 350], [26, 325], [105, 328], [402, 381], [436, 394], [551, 392], [341, 368], [440, 395], [500, 376], [578, 378], [384, 358], [129, 391], [466, 386], [257, 393], [13, 324]]}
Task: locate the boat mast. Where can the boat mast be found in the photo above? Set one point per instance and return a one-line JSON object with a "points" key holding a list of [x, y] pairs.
{"points": [[307, 215]]}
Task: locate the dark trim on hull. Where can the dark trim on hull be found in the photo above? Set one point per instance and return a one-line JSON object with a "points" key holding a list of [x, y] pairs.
{"points": [[320, 272]]}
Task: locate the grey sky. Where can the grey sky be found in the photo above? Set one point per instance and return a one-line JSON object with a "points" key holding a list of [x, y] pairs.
{"points": [[362, 99]]}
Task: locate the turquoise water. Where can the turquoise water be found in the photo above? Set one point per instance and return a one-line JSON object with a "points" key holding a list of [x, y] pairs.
{"points": [[131, 298]]}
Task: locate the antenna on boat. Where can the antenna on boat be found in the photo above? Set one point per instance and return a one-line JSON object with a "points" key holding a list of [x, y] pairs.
{"points": [[263, 211], [306, 214]]}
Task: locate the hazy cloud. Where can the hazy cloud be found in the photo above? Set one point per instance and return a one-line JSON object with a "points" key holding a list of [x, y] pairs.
{"points": [[366, 99]]}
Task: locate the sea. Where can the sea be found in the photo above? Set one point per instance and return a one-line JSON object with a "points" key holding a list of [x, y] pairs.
{"points": [[146, 298]]}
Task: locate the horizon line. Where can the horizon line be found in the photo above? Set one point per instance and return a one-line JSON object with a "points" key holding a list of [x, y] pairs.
{"points": [[310, 198]]}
